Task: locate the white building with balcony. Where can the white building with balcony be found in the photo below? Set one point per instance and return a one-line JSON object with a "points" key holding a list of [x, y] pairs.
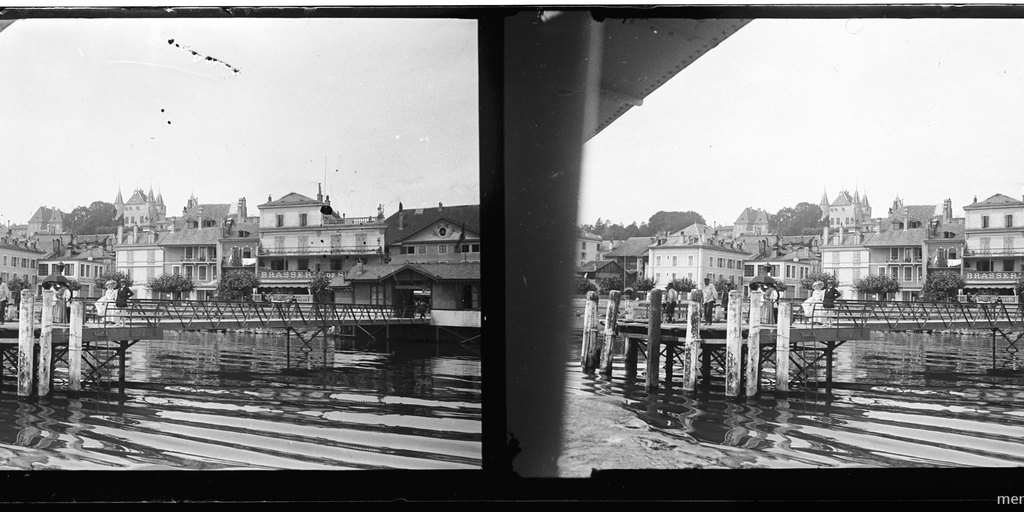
{"points": [[297, 240], [994, 253], [140, 256], [691, 255], [845, 256]]}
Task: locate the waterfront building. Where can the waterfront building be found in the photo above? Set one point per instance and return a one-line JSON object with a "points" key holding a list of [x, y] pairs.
{"points": [[18, 258], [845, 256], [239, 243], [196, 215], [143, 210], [993, 258], [193, 254], [594, 271], [899, 254], [453, 289], [693, 255], [588, 247], [424, 235], [298, 240], [81, 261], [752, 222], [787, 266], [630, 255], [45, 220], [944, 246], [139, 254]]}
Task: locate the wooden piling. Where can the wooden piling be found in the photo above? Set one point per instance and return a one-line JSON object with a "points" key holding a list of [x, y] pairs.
{"points": [[26, 342], [691, 353], [782, 347], [46, 343], [590, 354], [75, 346], [734, 344], [632, 353], [757, 305], [653, 340], [611, 319]]}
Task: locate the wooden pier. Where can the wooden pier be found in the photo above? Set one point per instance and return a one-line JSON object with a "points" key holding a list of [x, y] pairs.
{"points": [[752, 348], [91, 343]]}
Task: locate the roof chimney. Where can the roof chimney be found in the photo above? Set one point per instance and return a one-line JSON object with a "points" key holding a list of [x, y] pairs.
{"points": [[319, 193], [120, 233], [440, 207], [242, 210]]}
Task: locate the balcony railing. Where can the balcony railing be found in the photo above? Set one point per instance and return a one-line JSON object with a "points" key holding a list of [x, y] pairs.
{"points": [[982, 276], [915, 259], [318, 251], [1006, 251], [349, 221]]}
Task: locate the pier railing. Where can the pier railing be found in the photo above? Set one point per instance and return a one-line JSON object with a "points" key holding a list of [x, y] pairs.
{"points": [[195, 314], [909, 315]]}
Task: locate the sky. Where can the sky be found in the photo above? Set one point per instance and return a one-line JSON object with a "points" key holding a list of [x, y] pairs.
{"points": [[387, 107], [784, 110]]}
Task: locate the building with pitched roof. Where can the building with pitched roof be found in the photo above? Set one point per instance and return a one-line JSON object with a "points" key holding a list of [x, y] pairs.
{"points": [[899, 254], [452, 289], [143, 210], [193, 254], [139, 254], [588, 247], [45, 220], [751, 221], [298, 240], [442, 234], [846, 210], [695, 256], [81, 264], [994, 253], [18, 258], [844, 255], [239, 243], [631, 255]]}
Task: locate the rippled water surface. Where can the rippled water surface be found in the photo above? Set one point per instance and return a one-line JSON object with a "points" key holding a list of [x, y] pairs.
{"points": [[213, 400], [923, 400]]}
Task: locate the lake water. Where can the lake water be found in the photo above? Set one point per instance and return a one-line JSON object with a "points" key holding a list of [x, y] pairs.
{"points": [[234, 401], [905, 400]]}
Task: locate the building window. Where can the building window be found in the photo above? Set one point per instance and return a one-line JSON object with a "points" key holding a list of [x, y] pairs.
{"points": [[1008, 243], [835, 257], [856, 258], [176, 270], [1009, 221], [302, 219], [44, 269], [69, 269], [303, 242], [952, 254], [421, 249], [279, 243], [583, 245], [985, 244], [278, 265], [657, 277], [917, 254], [247, 252], [881, 271], [689, 260], [908, 273], [189, 269], [673, 276], [689, 275], [280, 220], [984, 221], [894, 254], [657, 260], [1007, 265], [442, 249], [674, 263], [721, 262], [410, 249], [303, 263], [856, 273], [711, 261], [748, 271], [336, 264], [202, 272]]}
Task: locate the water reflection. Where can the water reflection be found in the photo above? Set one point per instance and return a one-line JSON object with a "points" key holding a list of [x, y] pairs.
{"points": [[212, 401], [904, 399]]}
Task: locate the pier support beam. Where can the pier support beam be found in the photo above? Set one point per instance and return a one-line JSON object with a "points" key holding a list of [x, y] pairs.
{"points": [[26, 342], [75, 346], [754, 343], [632, 353], [734, 344], [653, 340], [590, 353], [46, 343], [691, 353], [782, 347], [611, 319]]}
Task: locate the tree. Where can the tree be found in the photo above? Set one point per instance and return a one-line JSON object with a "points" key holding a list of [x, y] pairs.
{"points": [[827, 279], [940, 286], [644, 284], [802, 219], [112, 275], [1018, 287], [73, 284], [319, 285], [16, 284], [683, 285], [610, 283], [175, 284], [877, 284], [236, 285], [99, 217], [673, 221]]}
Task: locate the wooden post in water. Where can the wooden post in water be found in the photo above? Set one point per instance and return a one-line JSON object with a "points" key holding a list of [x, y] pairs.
{"points": [[26, 342], [782, 347], [75, 346], [754, 342], [632, 353], [46, 343], [692, 352], [653, 340], [591, 352], [611, 319], [734, 344]]}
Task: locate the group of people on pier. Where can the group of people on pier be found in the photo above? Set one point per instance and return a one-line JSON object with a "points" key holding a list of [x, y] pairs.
{"points": [[707, 297]]}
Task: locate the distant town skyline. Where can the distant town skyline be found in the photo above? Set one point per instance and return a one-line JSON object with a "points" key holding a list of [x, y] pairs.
{"points": [[388, 107], [783, 110]]}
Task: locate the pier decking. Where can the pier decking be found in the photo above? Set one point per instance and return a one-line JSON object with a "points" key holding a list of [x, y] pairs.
{"points": [[741, 348]]}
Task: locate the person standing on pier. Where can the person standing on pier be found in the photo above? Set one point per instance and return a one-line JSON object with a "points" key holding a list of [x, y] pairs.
{"points": [[829, 302], [670, 302], [123, 294], [710, 297], [5, 297]]}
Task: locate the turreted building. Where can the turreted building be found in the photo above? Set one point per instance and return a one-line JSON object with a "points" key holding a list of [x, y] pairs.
{"points": [[143, 210], [845, 210]]}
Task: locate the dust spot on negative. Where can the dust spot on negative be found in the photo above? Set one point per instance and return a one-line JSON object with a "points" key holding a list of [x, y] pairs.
{"points": [[168, 122]]}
